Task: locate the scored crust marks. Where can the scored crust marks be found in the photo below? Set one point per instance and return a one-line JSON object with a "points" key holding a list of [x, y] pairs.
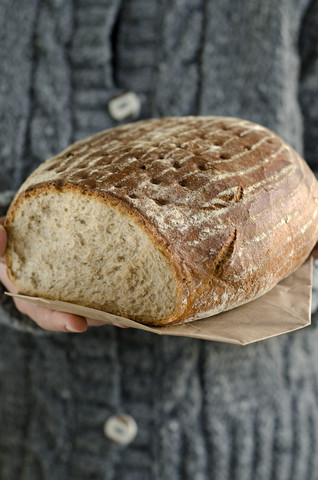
{"points": [[187, 176], [165, 166], [187, 164], [224, 255]]}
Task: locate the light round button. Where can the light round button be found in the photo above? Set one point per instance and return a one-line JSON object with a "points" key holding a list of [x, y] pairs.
{"points": [[123, 106], [121, 429]]}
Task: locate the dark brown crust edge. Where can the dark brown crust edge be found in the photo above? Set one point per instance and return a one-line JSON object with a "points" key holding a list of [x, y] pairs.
{"points": [[183, 280]]}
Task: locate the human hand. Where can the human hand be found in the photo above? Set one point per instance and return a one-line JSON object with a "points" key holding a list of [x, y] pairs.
{"points": [[45, 317]]}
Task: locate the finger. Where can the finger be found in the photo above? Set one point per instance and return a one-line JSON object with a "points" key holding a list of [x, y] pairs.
{"points": [[51, 320]]}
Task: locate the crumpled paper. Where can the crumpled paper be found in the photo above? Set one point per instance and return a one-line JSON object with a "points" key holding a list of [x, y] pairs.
{"points": [[286, 308]]}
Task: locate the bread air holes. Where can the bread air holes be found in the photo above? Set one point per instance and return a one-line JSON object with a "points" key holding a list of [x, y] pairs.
{"points": [[80, 239], [217, 142], [80, 220], [176, 165], [183, 183], [155, 181], [34, 279], [225, 156], [161, 201], [34, 220], [200, 166]]}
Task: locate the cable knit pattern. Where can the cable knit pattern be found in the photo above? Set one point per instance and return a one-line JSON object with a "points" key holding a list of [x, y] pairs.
{"points": [[204, 410], [253, 79], [92, 60], [308, 43], [164, 65], [15, 86], [50, 127]]}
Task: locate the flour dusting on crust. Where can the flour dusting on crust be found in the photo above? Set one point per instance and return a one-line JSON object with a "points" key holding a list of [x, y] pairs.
{"points": [[228, 200]]}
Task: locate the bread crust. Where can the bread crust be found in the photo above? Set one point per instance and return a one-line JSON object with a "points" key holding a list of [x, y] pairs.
{"points": [[228, 202]]}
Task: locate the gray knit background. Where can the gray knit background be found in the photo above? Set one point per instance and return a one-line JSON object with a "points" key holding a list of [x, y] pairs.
{"points": [[204, 410]]}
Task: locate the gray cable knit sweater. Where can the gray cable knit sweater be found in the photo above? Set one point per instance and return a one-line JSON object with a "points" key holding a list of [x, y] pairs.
{"points": [[204, 410]]}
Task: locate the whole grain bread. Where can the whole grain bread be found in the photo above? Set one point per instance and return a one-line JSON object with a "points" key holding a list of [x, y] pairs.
{"points": [[164, 220]]}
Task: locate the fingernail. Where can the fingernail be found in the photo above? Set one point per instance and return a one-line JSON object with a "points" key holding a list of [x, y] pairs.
{"points": [[2, 227], [72, 330]]}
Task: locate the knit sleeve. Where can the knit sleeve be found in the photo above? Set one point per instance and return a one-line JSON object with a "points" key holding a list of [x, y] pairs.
{"points": [[308, 83], [308, 98]]}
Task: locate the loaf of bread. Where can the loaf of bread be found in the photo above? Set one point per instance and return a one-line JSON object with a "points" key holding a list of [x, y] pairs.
{"points": [[164, 220]]}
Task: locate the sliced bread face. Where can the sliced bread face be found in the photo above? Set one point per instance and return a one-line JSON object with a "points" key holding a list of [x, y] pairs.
{"points": [[77, 248]]}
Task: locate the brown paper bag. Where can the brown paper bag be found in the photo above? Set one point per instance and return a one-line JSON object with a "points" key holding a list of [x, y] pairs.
{"points": [[287, 307]]}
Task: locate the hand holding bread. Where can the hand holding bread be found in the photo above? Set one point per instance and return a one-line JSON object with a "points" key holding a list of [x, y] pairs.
{"points": [[164, 220]]}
